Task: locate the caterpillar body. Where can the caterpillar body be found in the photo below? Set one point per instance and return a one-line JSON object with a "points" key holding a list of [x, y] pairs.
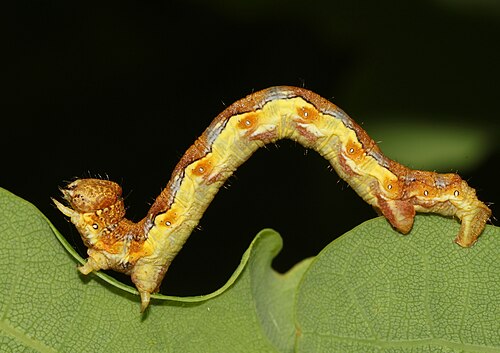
{"points": [[145, 249]]}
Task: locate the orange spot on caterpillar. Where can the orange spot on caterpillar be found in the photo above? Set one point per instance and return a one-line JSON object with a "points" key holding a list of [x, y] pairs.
{"points": [[248, 121], [354, 151], [423, 189], [393, 187], [203, 167], [307, 113], [167, 219], [170, 220]]}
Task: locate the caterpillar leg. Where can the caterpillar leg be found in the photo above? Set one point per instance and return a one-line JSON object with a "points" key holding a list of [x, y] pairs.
{"points": [[95, 262], [400, 214], [473, 224], [147, 278]]}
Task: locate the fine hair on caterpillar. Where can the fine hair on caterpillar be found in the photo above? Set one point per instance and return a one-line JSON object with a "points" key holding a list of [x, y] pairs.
{"points": [[145, 249]]}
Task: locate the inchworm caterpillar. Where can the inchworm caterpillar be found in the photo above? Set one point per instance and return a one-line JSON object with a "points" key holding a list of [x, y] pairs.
{"points": [[145, 249]]}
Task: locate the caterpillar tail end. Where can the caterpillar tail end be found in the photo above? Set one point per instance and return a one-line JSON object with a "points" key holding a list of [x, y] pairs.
{"points": [[145, 299], [147, 278], [473, 224]]}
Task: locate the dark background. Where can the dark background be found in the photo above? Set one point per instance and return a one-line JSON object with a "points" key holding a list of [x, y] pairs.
{"points": [[122, 88]]}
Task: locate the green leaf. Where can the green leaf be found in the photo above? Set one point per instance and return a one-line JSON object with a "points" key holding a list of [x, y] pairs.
{"points": [[414, 293], [47, 306], [370, 290]]}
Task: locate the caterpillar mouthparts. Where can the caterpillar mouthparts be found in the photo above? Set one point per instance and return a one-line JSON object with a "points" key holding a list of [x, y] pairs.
{"points": [[144, 250]]}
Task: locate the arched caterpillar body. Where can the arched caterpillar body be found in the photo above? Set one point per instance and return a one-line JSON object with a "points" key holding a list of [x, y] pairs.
{"points": [[145, 249]]}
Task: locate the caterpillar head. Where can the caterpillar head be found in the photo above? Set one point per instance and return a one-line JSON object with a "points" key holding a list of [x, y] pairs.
{"points": [[95, 207]]}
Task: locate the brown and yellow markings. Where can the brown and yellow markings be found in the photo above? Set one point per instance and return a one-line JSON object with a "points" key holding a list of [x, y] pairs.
{"points": [[354, 151], [202, 168], [356, 160], [307, 113], [138, 250], [258, 125], [392, 187], [248, 121], [309, 122], [170, 218], [145, 249]]}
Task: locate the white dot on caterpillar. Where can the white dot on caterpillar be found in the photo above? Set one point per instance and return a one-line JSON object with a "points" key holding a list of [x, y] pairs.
{"points": [[389, 186], [95, 226], [201, 169], [168, 223], [351, 150], [248, 122], [426, 192], [456, 193]]}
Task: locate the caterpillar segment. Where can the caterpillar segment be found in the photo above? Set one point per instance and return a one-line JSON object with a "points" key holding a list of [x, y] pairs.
{"points": [[144, 250]]}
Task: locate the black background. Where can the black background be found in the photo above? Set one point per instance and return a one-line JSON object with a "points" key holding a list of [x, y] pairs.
{"points": [[122, 88]]}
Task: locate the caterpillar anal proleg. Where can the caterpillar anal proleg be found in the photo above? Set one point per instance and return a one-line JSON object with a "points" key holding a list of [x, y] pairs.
{"points": [[145, 249]]}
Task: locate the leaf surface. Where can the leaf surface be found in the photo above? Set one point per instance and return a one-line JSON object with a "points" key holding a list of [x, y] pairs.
{"points": [[414, 293], [46, 306], [370, 290]]}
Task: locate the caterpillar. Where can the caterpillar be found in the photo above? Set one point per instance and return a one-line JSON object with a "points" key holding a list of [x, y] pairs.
{"points": [[144, 250]]}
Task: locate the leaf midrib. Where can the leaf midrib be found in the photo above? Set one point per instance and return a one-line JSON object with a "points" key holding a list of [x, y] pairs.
{"points": [[23, 338]]}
